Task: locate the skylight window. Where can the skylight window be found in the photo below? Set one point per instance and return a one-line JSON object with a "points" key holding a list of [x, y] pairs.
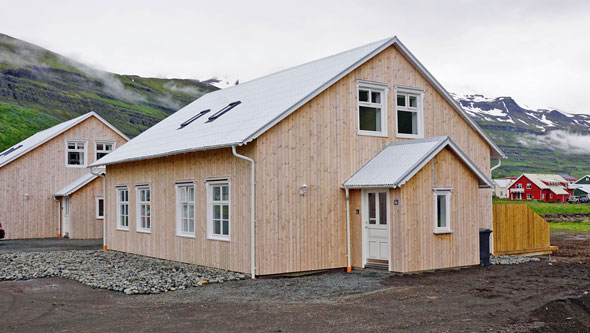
{"points": [[199, 115], [224, 110], [10, 150]]}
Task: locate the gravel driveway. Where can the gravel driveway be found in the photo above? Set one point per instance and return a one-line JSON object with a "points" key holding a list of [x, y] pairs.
{"points": [[48, 244]]}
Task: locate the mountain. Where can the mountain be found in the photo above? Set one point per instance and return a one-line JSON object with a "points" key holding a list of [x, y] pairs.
{"points": [[40, 88], [536, 141]]}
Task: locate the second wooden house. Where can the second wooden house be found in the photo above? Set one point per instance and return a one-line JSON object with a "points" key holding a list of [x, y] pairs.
{"points": [[361, 158]]}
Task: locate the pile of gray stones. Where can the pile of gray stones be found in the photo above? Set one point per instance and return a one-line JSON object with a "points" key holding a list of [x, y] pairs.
{"points": [[511, 260], [118, 271]]}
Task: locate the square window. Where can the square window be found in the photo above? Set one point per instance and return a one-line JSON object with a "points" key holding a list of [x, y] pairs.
{"points": [[409, 113], [369, 119], [363, 95], [103, 148], [401, 100], [407, 122], [75, 154], [372, 111]]}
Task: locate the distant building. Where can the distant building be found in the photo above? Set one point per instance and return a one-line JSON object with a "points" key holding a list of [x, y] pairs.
{"points": [[540, 187], [582, 188], [569, 178], [501, 187]]}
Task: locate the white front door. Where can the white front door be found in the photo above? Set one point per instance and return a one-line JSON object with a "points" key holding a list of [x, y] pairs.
{"points": [[376, 220], [66, 215]]}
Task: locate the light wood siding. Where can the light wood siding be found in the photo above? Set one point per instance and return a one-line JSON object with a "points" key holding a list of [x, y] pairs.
{"points": [[40, 173], [84, 224], [318, 145], [420, 248], [162, 242], [517, 229]]}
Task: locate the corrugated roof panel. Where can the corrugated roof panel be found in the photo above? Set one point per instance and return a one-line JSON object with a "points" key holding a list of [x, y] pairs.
{"points": [[400, 161]]}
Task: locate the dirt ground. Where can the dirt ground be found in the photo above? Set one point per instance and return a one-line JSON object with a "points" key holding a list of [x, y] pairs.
{"points": [[544, 296]]}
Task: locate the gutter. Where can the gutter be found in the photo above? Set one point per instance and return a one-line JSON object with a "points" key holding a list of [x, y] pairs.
{"points": [[252, 210], [104, 208], [496, 166]]}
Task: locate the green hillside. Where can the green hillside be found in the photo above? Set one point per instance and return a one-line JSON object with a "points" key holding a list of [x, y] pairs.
{"points": [[39, 88]]}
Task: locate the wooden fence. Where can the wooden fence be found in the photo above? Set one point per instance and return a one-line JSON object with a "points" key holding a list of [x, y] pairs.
{"points": [[517, 230]]}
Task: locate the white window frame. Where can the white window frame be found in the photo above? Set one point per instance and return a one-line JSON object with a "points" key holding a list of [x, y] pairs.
{"points": [[138, 203], [550, 195], [85, 152], [67, 205], [518, 185], [528, 196], [179, 204], [529, 186], [210, 203], [447, 193], [103, 142], [407, 91], [119, 212], [383, 88], [97, 200]]}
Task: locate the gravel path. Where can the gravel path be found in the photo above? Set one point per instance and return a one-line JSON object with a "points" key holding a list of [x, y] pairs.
{"points": [[511, 260], [118, 271]]}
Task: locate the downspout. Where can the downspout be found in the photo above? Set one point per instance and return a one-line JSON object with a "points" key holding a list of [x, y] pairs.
{"points": [[58, 217], [252, 211], [348, 265], [104, 208], [496, 166]]}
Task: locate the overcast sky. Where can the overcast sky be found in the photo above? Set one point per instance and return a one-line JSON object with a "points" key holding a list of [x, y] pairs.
{"points": [[535, 51]]}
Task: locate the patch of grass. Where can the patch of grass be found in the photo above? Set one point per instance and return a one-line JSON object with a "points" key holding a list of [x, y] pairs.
{"points": [[574, 227], [542, 208], [18, 123]]}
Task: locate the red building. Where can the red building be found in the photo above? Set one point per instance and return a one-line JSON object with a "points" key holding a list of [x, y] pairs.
{"points": [[540, 187]]}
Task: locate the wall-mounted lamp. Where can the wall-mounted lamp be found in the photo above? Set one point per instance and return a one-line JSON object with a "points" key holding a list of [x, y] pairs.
{"points": [[26, 196], [303, 189]]}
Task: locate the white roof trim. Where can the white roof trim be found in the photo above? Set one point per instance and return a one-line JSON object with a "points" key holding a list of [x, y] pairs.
{"points": [[440, 144], [74, 122], [77, 184]]}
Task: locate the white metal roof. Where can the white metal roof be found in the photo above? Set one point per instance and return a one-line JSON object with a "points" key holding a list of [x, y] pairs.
{"points": [[40, 138], [503, 182], [264, 102], [400, 161], [584, 187], [546, 181], [77, 184]]}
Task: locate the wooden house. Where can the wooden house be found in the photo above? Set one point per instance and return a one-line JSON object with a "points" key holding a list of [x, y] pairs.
{"points": [[361, 158], [545, 187], [47, 189]]}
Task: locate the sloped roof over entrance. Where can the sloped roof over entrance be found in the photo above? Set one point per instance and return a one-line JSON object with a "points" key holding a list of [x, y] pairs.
{"points": [[400, 161], [78, 184], [255, 106]]}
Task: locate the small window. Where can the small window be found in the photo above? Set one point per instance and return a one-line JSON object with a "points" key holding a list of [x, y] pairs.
{"points": [[199, 115], [528, 196], [218, 215], [103, 148], [75, 153], [144, 213], [123, 208], [528, 186], [66, 206], [542, 196], [185, 209], [222, 111], [550, 195], [372, 111], [99, 208], [519, 185], [409, 113], [442, 211]]}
